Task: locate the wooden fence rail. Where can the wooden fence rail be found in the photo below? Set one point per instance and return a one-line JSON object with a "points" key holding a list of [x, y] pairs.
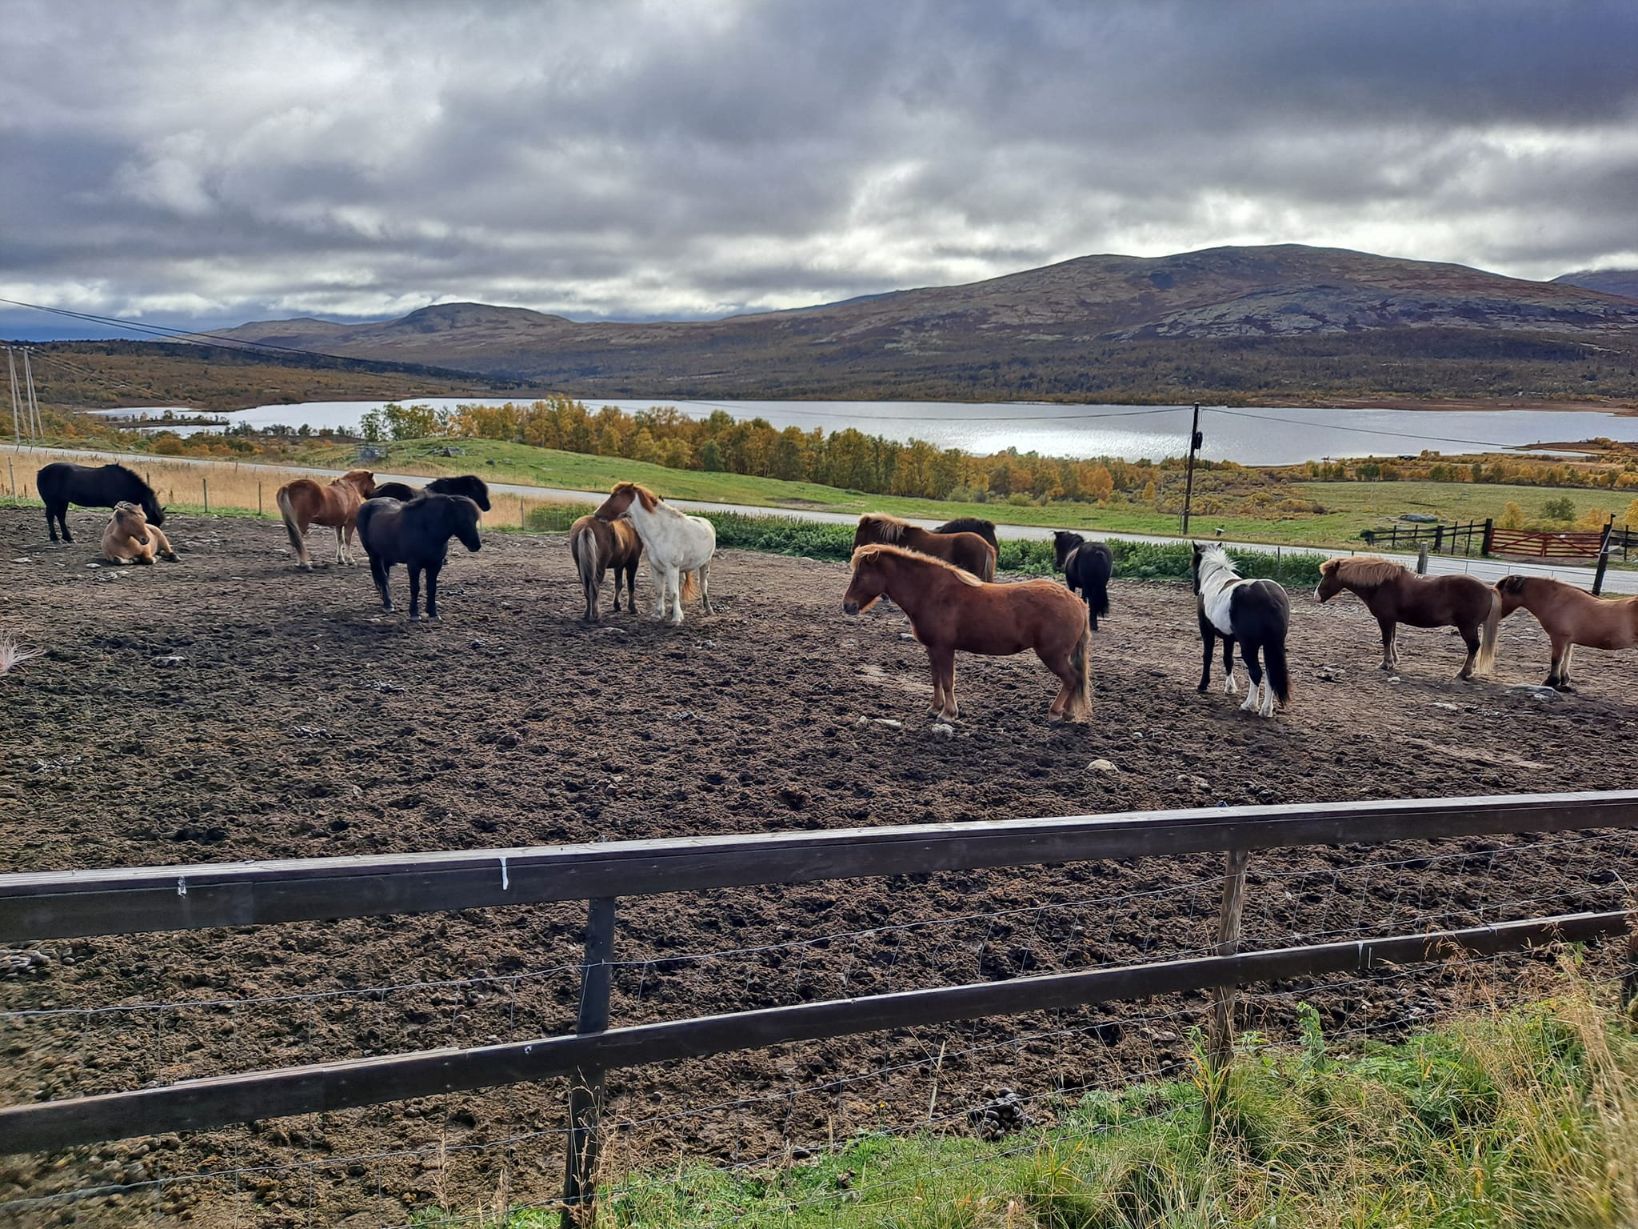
{"points": [[75, 904]]}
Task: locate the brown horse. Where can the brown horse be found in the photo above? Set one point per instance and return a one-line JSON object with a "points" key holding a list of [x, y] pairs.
{"points": [[130, 538], [596, 546], [951, 609], [304, 502], [1395, 595], [965, 550], [1570, 617]]}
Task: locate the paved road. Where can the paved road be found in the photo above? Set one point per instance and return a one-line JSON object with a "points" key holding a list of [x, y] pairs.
{"points": [[1487, 570]]}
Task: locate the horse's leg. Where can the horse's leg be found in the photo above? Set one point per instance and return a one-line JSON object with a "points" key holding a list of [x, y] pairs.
{"points": [[162, 545], [944, 703], [52, 516], [381, 571], [1248, 654], [1230, 685], [1067, 683], [658, 572], [415, 591], [589, 587], [1566, 683], [1560, 661], [705, 588], [1092, 615], [1208, 641], [432, 590], [1390, 649], [674, 580], [1470, 637]]}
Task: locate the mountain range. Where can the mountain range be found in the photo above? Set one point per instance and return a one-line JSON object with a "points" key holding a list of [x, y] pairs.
{"points": [[1230, 323]]}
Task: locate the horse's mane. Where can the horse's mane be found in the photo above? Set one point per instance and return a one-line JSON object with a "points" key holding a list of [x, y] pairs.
{"points": [[878, 550], [1364, 571], [1216, 554], [646, 497], [890, 528]]}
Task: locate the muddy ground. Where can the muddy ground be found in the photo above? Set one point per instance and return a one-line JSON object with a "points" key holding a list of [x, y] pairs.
{"points": [[228, 707]]}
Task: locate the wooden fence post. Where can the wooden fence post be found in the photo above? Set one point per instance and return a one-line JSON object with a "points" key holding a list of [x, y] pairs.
{"points": [[1221, 1041], [258, 499], [1438, 538], [1422, 559], [204, 485], [586, 1086], [11, 478]]}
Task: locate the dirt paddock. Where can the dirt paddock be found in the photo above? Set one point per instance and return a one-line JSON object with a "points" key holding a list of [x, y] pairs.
{"points": [[228, 707]]}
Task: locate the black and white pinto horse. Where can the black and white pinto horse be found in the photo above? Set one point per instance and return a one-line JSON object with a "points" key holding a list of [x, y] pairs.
{"points": [[470, 485], [92, 486], [1087, 567], [416, 534], [1257, 613]]}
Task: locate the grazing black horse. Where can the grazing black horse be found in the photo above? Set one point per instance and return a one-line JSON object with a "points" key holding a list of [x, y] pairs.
{"points": [[1087, 567], [415, 533], [1257, 613], [92, 486], [470, 485], [971, 524]]}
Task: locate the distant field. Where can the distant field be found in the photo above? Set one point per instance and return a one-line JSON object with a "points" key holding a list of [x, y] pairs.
{"points": [[1351, 506]]}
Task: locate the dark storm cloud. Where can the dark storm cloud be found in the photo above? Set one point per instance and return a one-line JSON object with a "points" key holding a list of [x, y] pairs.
{"points": [[216, 161]]}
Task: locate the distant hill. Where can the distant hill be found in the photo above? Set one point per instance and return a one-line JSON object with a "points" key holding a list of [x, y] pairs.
{"points": [[1226, 323], [1611, 281]]}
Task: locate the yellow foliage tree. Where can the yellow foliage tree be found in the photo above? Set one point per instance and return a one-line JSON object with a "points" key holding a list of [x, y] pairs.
{"points": [[1512, 517]]}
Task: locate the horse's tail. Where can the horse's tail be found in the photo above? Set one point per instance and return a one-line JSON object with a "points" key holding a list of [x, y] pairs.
{"points": [[688, 586], [1279, 677], [1080, 657], [586, 558], [1485, 663], [1098, 598], [986, 566], [287, 513]]}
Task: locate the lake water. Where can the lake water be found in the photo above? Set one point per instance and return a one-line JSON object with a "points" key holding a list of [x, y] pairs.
{"points": [[1253, 436]]}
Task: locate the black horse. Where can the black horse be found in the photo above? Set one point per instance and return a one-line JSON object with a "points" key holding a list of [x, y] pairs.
{"points": [[470, 485], [1257, 613], [416, 534], [1087, 567], [92, 486], [971, 524]]}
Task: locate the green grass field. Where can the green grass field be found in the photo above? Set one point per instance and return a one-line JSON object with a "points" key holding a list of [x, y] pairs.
{"points": [[1350, 506], [1495, 1121]]}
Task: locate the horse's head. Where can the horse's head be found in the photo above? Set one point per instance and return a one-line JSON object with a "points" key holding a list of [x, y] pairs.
{"points": [[618, 503], [1194, 565], [130, 521], [463, 518], [1514, 592], [473, 487], [1064, 544], [1330, 580], [869, 581], [151, 510], [361, 480]]}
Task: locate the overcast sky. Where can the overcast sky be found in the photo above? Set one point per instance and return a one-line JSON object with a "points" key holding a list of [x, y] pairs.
{"points": [[206, 163]]}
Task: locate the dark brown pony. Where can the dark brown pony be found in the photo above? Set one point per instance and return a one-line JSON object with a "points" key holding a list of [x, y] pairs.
{"points": [[951, 610], [1570, 617], [596, 546], [304, 502], [1395, 595], [964, 550]]}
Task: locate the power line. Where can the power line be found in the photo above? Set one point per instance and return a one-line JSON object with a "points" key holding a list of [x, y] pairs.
{"points": [[1398, 435]]}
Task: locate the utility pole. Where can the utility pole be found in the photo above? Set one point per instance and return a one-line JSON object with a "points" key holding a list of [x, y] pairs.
{"points": [[1195, 440], [33, 401], [16, 412]]}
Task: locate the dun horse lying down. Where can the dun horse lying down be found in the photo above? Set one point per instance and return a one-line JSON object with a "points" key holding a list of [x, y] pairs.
{"points": [[952, 610], [304, 503], [1570, 617], [129, 538], [596, 546], [417, 535]]}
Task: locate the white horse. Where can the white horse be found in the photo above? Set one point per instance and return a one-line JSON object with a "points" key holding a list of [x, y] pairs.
{"points": [[678, 546]]}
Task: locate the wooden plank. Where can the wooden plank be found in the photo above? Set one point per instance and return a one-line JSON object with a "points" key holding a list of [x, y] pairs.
{"points": [[586, 1083], [1221, 1040], [75, 904], [222, 1101]]}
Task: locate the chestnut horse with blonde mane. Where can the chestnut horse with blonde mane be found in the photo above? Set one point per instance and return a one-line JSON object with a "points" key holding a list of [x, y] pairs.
{"points": [[964, 549], [1570, 617], [303, 503], [596, 546], [952, 610], [1395, 595]]}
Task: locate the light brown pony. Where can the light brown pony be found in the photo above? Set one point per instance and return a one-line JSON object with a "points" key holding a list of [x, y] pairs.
{"points": [[1395, 595], [951, 609], [304, 502], [596, 546], [1570, 617], [129, 538], [965, 550]]}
